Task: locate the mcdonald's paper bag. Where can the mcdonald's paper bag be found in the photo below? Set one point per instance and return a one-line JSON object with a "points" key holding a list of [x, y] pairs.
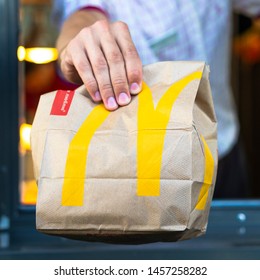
{"points": [[142, 173]]}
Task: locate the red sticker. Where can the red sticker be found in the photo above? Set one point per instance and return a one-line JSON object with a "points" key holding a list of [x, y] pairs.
{"points": [[61, 103]]}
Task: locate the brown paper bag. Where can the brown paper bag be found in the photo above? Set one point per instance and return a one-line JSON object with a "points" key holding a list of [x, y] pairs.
{"points": [[143, 173]]}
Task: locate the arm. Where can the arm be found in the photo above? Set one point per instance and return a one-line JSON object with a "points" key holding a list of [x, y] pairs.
{"points": [[101, 55]]}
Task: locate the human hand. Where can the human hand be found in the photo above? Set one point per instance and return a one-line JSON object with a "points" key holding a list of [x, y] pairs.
{"points": [[104, 58]]}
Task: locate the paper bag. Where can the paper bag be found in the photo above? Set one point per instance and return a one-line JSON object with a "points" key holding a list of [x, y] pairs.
{"points": [[143, 173]]}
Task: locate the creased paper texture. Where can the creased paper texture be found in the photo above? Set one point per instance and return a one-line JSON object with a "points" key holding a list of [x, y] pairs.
{"points": [[143, 173]]}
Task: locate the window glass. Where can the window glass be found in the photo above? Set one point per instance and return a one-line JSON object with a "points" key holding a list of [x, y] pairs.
{"points": [[37, 55]]}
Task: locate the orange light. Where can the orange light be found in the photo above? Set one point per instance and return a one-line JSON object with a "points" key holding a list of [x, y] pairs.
{"points": [[39, 55], [29, 192], [25, 133]]}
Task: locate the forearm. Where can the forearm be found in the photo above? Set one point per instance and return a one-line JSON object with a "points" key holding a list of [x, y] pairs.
{"points": [[74, 24]]}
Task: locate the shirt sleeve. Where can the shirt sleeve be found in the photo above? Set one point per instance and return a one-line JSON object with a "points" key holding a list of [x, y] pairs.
{"points": [[249, 8], [62, 9]]}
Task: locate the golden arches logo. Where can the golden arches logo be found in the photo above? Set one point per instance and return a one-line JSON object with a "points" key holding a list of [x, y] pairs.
{"points": [[148, 172]]}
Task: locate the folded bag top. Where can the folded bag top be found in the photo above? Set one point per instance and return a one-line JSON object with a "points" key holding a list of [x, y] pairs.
{"points": [[143, 173]]}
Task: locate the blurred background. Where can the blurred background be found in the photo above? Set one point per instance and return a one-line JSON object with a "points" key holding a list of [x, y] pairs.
{"points": [[39, 74], [29, 69]]}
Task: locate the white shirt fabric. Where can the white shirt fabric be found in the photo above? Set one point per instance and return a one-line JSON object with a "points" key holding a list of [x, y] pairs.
{"points": [[182, 30]]}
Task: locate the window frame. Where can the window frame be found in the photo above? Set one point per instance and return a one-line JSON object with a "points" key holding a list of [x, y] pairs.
{"points": [[9, 107]]}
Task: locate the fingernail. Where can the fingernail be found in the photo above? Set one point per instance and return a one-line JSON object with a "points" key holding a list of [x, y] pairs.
{"points": [[123, 98], [111, 103], [97, 96], [135, 88]]}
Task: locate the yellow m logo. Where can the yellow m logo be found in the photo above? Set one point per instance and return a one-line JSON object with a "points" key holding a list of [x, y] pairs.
{"points": [[149, 145]]}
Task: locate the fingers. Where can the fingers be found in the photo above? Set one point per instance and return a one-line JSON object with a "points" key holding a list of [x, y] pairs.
{"points": [[132, 60], [115, 68], [101, 72], [79, 69], [105, 59]]}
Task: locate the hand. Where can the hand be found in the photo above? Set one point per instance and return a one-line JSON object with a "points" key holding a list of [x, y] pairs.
{"points": [[104, 58]]}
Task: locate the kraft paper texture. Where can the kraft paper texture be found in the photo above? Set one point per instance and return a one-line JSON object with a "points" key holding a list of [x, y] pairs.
{"points": [[143, 173]]}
